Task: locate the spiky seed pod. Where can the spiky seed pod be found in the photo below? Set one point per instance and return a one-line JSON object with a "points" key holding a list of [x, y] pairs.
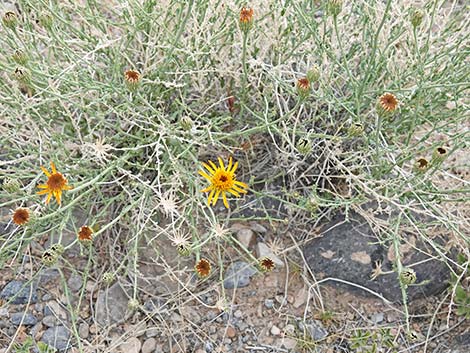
{"points": [[439, 154], [19, 57], [11, 185], [407, 276], [421, 165], [10, 20], [334, 7], [313, 74], [304, 146], [356, 129], [416, 17]]}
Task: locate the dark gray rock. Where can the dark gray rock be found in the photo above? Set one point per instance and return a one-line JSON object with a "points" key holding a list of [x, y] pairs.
{"points": [[19, 292], [111, 306], [349, 250], [75, 283], [23, 319], [238, 275], [48, 275], [56, 337], [461, 344]]}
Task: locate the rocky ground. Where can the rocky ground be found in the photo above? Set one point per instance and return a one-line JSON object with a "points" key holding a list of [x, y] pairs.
{"points": [[281, 311]]}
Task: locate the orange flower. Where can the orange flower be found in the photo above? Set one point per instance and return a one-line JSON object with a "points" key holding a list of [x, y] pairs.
{"points": [[21, 216], [132, 78], [266, 264], [303, 86], [388, 102], [56, 184], [246, 18], [203, 268], [85, 234]]}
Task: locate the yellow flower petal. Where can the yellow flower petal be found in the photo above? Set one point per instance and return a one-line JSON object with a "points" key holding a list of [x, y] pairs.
{"points": [[224, 197], [42, 186], [201, 173], [235, 166], [221, 163], [48, 199], [233, 192], [53, 168], [216, 197], [45, 171], [43, 192], [209, 168]]}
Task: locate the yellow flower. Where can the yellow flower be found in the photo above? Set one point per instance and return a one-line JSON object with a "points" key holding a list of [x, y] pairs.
{"points": [[222, 181], [56, 183]]}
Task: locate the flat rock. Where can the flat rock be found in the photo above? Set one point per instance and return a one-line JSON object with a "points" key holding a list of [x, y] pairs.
{"points": [[149, 345], [75, 282], [461, 344], [314, 329], [56, 337], [348, 250], [238, 275], [246, 237], [19, 292], [111, 306], [132, 345], [23, 319]]}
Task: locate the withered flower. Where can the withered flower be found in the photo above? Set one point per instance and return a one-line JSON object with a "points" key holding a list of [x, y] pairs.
{"points": [[203, 268]]}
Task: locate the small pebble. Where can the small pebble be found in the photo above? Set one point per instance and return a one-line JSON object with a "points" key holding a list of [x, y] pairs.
{"points": [[149, 345], [275, 331], [84, 330], [75, 282], [24, 319], [269, 303], [231, 332]]}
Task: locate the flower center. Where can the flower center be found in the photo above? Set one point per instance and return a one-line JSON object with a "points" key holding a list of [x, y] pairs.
{"points": [[56, 182], [223, 180]]}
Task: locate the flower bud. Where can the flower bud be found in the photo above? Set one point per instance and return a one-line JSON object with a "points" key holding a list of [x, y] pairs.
{"points": [[186, 123], [22, 75], [304, 146], [313, 74], [416, 17], [19, 57], [57, 248], [46, 20], [266, 264], [11, 185], [49, 257], [133, 304], [356, 129], [183, 249], [10, 20], [132, 79], [333, 7], [108, 277], [407, 276]]}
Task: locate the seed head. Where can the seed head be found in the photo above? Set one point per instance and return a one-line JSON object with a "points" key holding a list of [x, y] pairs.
{"points": [[85, 235], [22, 75], [387, 103], [304, 146], [356, 129], [108, 277], [133, 304], [439, 154], [57, 248], [49, 257], [19, 57], [186, 123], [46, 20], [313, 74]]}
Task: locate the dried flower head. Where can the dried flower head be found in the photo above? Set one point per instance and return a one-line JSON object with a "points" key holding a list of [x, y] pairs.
{"points": [[303, 87], [246, 18], [133, 304], [220, 231], [203, 268], [11, 185], [407, 276], [439, 154], [21, 216], [56, 184], [108, 277], [421, 165], [85, 235], [132, 79], [10, 20], [266, 264], [181, 242], [222, 181], [388, 103]]}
